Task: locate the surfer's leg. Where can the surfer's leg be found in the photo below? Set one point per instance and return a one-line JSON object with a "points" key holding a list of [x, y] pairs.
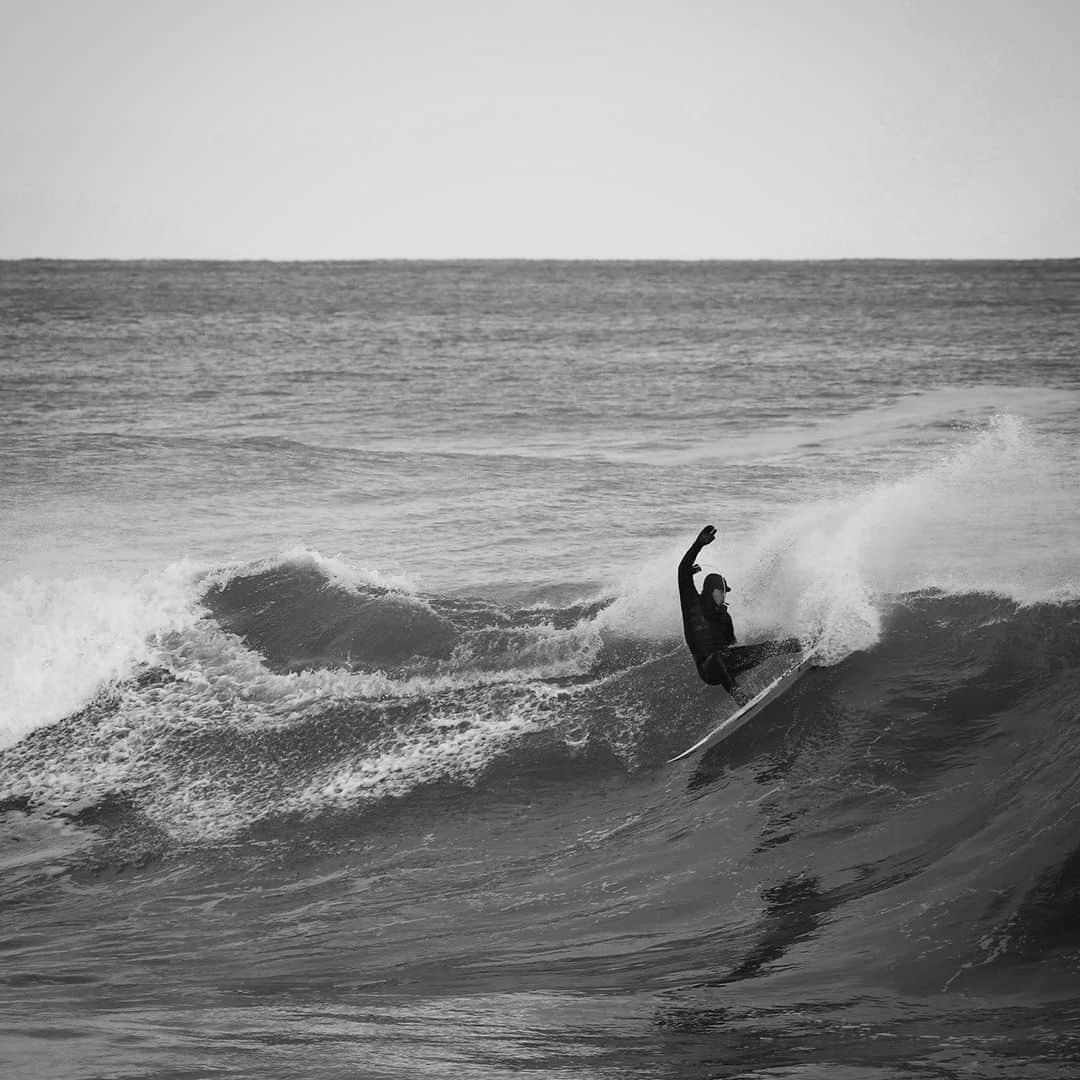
{"points": [[714, 671], [743, 657]]}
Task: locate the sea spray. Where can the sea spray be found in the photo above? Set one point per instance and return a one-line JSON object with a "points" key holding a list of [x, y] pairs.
{"points": [[825, 570], [62, 641]]}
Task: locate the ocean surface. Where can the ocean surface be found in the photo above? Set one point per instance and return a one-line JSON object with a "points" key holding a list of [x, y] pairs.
{"points": [[341, 657]]}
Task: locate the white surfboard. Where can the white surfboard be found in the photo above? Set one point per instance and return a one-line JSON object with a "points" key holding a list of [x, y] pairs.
{"points": [[758, 702]]}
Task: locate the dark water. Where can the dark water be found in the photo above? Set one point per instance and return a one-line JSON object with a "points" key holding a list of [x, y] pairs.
{"points": [[341, 660]]}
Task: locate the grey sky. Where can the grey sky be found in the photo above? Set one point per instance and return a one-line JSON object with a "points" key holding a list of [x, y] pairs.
{"points": [[473, 128]]}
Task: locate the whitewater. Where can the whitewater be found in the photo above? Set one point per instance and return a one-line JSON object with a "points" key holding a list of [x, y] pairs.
{"points": [[340, 660]]}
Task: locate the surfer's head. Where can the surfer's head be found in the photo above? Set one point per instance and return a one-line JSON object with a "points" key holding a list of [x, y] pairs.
{"points": [[716, 589]]}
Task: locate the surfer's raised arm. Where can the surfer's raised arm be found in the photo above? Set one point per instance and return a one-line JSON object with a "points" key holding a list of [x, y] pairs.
{"points": [[687, 568]]}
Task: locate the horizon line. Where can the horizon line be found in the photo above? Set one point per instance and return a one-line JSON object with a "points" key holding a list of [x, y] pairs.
{"points": [[354, 260]]}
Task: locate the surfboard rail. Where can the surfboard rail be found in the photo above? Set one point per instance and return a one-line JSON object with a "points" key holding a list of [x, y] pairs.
{"points": [[759, 701]]}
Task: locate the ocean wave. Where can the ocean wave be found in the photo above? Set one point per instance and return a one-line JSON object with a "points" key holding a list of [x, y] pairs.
{"points": [[213, 741]]}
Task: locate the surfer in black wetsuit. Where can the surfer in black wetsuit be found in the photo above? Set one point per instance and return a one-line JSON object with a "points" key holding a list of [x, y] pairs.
{"points": [[709, 631]]}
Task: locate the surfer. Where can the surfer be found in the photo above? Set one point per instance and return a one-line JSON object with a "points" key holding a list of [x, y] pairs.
{"points": [[708, 628]]}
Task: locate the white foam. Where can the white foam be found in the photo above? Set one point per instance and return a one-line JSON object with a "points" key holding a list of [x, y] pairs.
{"points": [[216, 669], [458, 750], [542, 651], [61, 641]]}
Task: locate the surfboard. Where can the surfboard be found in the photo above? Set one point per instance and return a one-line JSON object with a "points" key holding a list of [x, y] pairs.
{"points": [[759, 701]]}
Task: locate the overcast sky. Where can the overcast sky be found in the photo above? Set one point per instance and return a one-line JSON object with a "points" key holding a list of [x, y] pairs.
{"points": [[584, 129]]}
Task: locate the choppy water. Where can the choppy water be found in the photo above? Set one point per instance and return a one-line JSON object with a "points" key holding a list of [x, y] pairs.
{"points": [[340, 658]]}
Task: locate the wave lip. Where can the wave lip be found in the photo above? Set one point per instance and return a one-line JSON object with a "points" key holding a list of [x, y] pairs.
{"points": [[298, 617]]}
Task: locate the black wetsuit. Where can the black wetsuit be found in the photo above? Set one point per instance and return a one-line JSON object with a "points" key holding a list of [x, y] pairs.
{"points": [[710, 633]]}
